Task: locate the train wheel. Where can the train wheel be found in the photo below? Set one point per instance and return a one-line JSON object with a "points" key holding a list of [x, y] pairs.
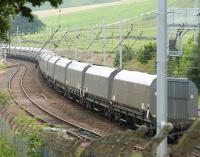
{"points": [[88, 106], [84, 104], [116, 117], [106, 112], [109, 115], [151, 131]]}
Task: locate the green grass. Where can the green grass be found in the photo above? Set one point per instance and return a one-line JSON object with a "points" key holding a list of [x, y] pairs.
{"points": [[137, 155], [150, 67], [2, 65], [94, 16], [199, 101], [91, 18], [85, 19], [70, 3]]}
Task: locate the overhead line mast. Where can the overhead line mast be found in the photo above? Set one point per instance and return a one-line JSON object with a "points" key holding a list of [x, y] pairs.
{"points": [[161, 72], [196, 32]]}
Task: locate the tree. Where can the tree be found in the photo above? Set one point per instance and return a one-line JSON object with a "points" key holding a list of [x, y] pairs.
{"points": [[194, 70], [127, 56], [10, 8], [147, 53], [25, 26], [189, 64]]}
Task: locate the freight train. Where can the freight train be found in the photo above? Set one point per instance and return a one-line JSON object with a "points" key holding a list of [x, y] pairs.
{"points": [[127, 97]]}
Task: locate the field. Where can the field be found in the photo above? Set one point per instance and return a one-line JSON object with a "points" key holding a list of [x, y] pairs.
{"points": [[85, 19], [84, 32], [94, 16], [71, 3]]}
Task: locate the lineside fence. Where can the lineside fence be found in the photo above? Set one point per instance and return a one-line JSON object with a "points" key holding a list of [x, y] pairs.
{"points": [[101, 44], [127, 144]]}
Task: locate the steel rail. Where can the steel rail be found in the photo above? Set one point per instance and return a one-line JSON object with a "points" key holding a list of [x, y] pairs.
{"points": [[74, 130]]}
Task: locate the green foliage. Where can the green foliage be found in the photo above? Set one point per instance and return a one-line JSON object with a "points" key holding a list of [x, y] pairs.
{"points": [[137, 154], [178, 66], [10, 8], [194, 71], [199, 100], [188, 141], [174, 66], [188, 64], [147, 53], [32, 132], [4, 27], [127, 53], [62, 144], [4, 98], [25, 26], [6, 149], [2, 65], [120, 144], [135, 65]]}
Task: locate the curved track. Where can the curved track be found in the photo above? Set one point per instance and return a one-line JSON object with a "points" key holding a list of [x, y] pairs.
{"points": [[36, 110], [43, 115], [196, 152]]}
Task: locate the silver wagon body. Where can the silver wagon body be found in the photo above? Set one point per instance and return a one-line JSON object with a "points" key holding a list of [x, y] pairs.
{"points": [[182, 99], [60, 70], [132, 88], [138, 90], [97, 81], [41, 61], [51, 66], [125, 94], [45, 62], [74, 74]]}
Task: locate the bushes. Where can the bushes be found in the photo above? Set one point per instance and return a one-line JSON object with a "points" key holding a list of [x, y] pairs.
{"points": [[147, 53], [187, 65], [128, 55], [4, 98], [32, 133], [2, 65], [7, 150], [193, 71], [143, 56]]}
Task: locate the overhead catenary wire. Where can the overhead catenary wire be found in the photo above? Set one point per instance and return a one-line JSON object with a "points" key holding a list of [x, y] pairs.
{"points": [[47, 41], [134, 41]]}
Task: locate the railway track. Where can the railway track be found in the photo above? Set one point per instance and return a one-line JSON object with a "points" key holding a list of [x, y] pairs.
{"points": [[196, 152], [36, 110]]}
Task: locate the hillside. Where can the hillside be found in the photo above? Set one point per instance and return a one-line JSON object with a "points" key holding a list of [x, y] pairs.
{"points": [[94, 16], [86, 17], [71, 3], [62, 11], [25, 26]]}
